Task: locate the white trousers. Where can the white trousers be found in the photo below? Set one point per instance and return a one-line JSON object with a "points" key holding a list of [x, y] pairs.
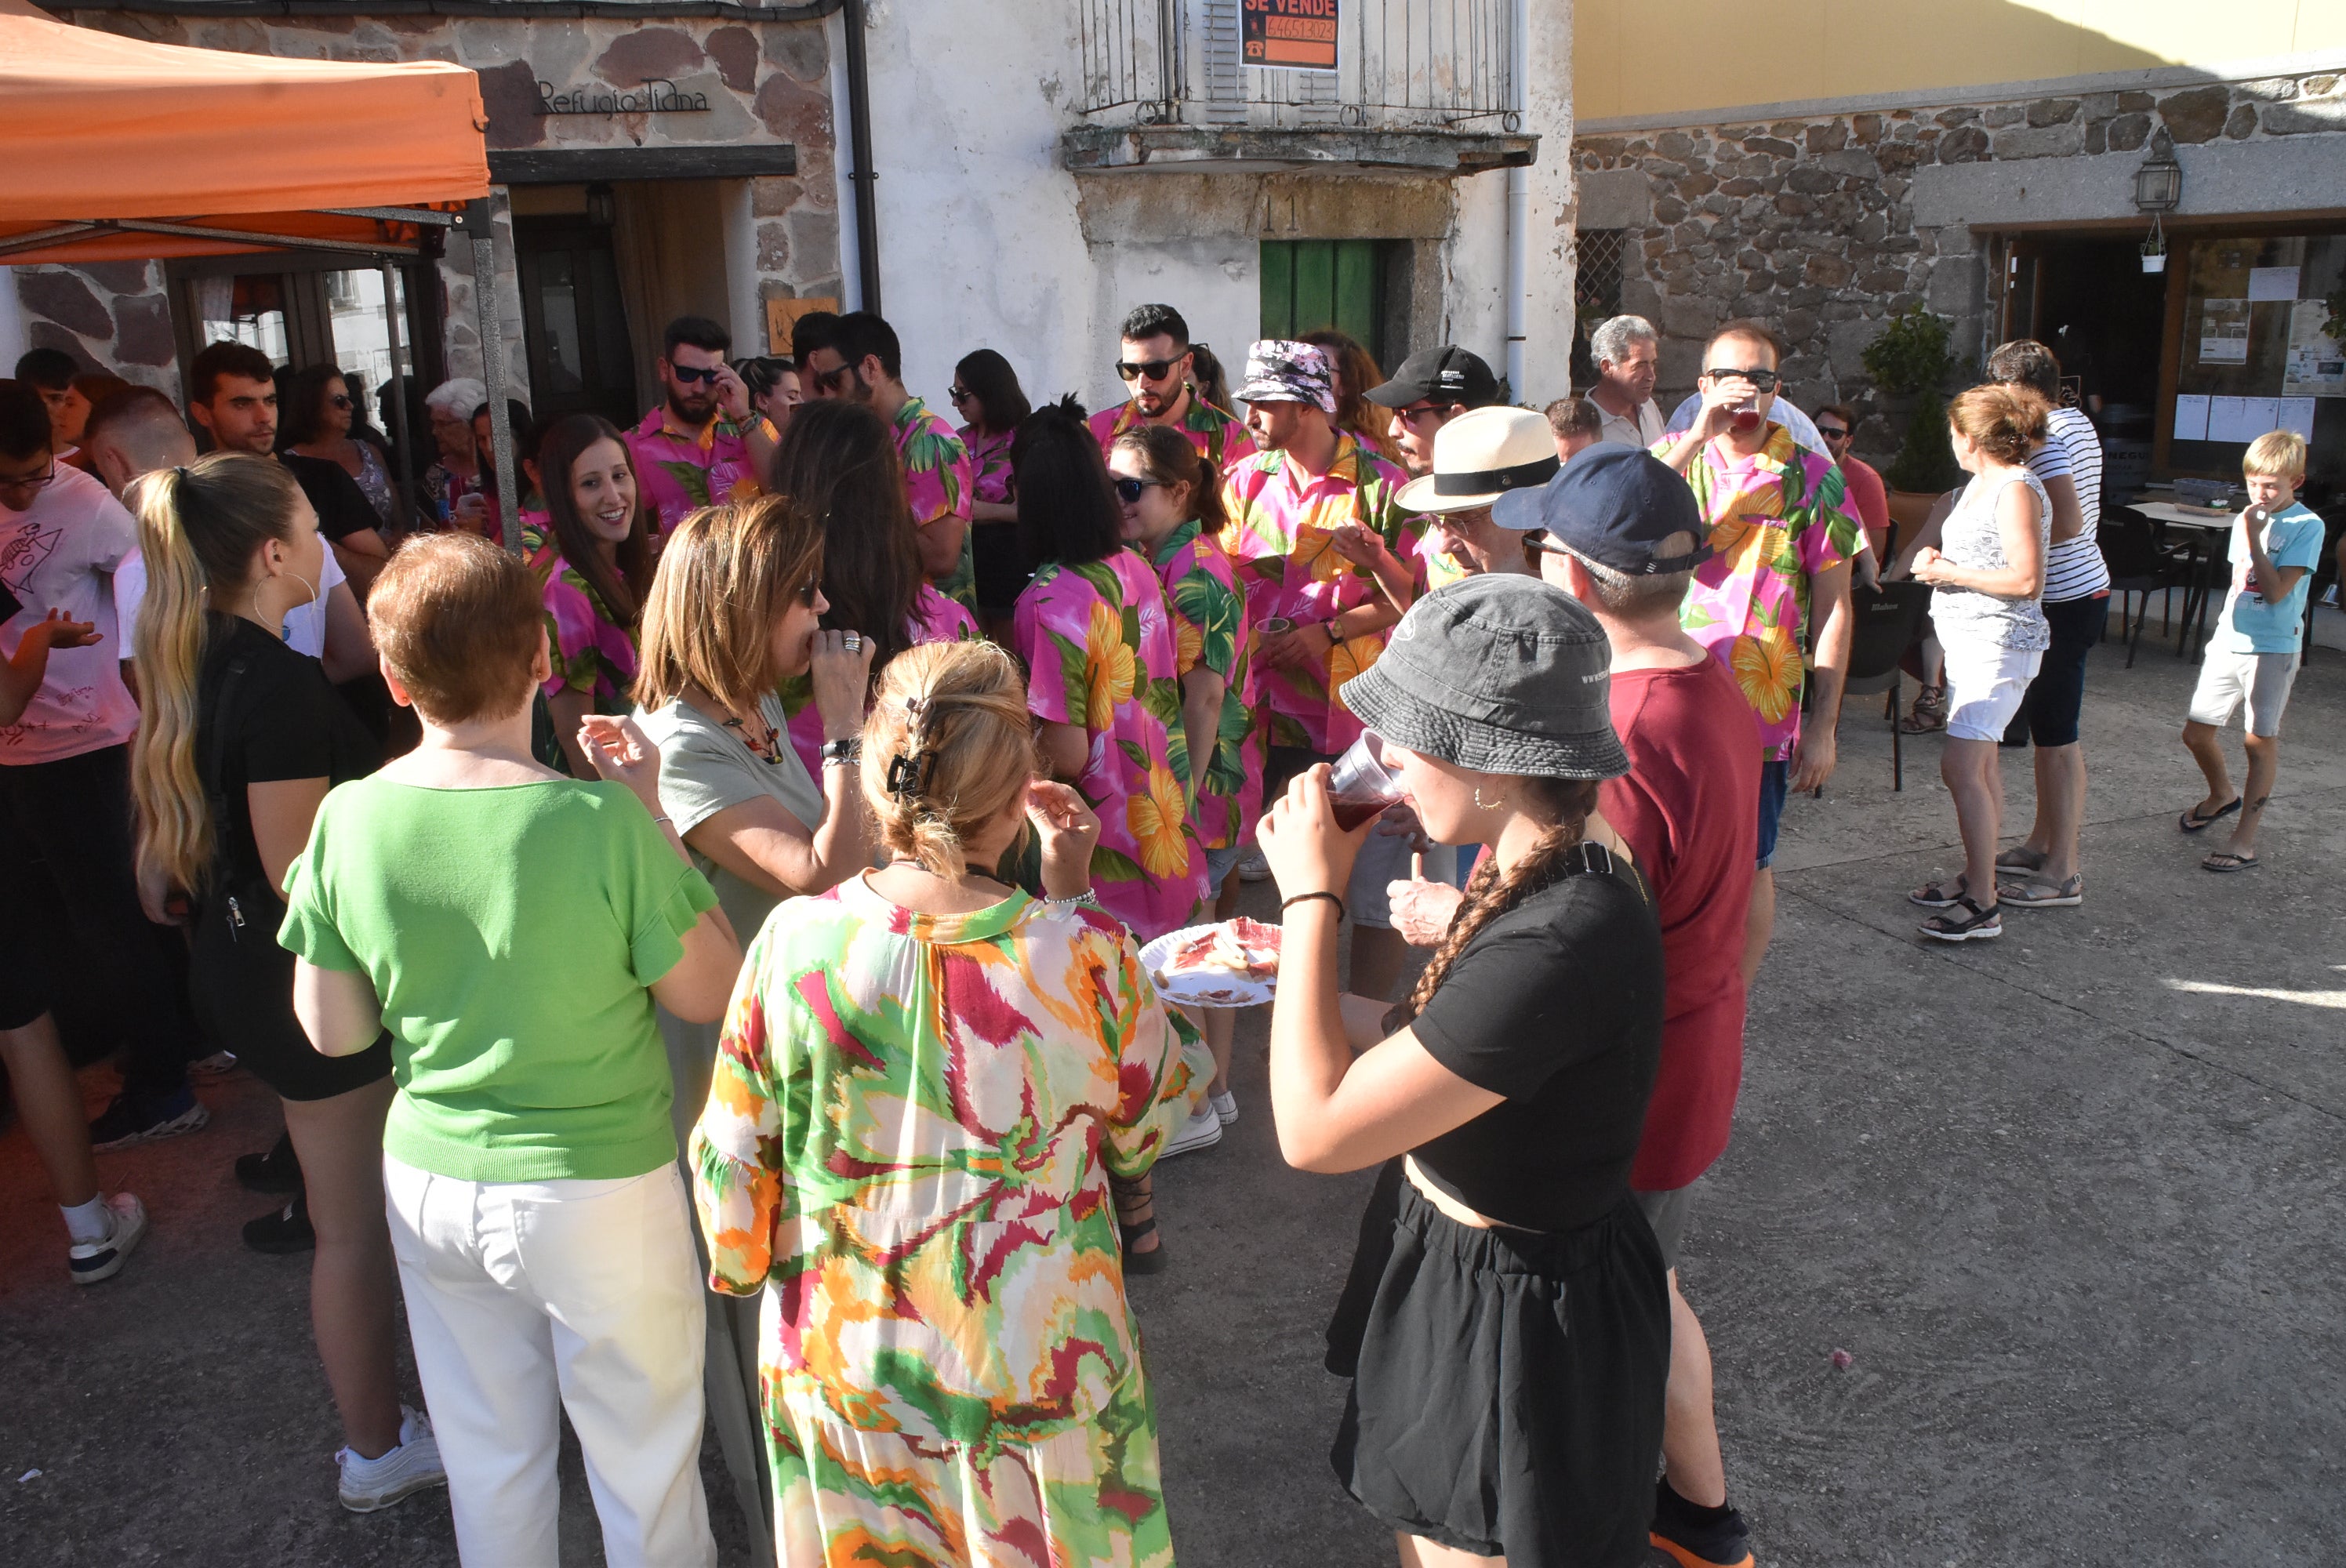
{"points": [[586, 1292]]}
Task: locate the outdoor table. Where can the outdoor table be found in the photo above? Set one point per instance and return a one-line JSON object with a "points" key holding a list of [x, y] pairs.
{"points": [[2205, 529]]}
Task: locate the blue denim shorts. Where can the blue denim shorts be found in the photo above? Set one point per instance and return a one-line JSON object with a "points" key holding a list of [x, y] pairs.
{"points": [[1774, 776]]}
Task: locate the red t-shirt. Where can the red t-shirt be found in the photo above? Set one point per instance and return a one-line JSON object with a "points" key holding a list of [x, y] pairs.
{"points": [[1868, 501], [1690, 808]]}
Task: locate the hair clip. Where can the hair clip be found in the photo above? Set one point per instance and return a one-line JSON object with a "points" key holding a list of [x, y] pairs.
{"points": [[909, 775]]}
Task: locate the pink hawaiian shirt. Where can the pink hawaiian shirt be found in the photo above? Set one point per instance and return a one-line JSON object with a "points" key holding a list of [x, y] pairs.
{"points": [[1220, 437], [989, 463], [1202, 590], [679, 471], [1776, 522], [934, 619], [938, 483], [1101, 653], [590, 653], [1281, 520]]}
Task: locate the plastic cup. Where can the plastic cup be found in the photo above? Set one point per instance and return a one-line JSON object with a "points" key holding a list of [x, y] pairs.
{"points": [[1362, 784], [1746, 421]]}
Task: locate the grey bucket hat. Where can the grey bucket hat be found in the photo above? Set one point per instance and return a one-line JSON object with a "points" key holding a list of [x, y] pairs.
{"points": [[1500, 674]]}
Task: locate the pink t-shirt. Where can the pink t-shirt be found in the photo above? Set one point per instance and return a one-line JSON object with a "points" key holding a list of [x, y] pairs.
{"points": [[59, 553], [1867, 500], [1685, 807]]}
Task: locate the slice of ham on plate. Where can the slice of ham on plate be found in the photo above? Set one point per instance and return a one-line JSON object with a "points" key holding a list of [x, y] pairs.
{"points": [[1232, 964]]}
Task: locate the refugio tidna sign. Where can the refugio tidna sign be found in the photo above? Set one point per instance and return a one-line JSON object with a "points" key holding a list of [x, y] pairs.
{"points": [[657, 95]]}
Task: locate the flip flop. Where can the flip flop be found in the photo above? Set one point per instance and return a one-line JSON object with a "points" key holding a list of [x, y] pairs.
{"points": [[2225, 860], [2192, 822]]}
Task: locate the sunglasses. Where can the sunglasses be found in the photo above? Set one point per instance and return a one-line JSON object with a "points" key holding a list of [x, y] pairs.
{"points": [[1128, 490], [1412, 417], [341, 401], [1832, 432], [960, 395], [1540, 539], [1152, 370], [1760, 381], [834, 379], [689, 375]]}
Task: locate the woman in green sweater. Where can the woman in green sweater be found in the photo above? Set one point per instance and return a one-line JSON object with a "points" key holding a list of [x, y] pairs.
{"points": [[512, 929]]}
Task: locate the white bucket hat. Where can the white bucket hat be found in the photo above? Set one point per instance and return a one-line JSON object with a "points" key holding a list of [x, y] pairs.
{"points": [[1479, 456]]}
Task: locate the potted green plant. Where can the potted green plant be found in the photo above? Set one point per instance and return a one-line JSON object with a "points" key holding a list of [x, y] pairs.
{"points": [[1911, 359]]}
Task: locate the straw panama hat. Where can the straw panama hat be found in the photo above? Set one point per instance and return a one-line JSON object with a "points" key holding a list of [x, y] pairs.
{"points": [[1479, 456]]}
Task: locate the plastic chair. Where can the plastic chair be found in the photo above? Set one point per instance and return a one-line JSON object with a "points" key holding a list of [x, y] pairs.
{"points": [[2138, 566], [1888, 620]]}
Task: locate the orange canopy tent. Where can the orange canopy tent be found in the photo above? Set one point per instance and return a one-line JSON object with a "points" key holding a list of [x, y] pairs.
{"points": [[118, 147]]}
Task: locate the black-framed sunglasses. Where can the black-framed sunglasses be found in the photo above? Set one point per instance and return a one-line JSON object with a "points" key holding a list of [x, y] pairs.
{"points": [[341, 401], [1540, 539], [1411, 415], [831, 380], [1832, 432], [960, 395], [688, 374], [1128, 491], [1154, 369], [1759, 381]]}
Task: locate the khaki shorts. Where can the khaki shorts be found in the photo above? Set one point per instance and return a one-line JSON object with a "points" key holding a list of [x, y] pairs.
{"points": [[2228, 679]]}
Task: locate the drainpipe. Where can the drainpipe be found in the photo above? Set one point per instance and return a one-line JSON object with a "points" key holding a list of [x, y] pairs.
{"points": [[1519, 204], [858, 139]]}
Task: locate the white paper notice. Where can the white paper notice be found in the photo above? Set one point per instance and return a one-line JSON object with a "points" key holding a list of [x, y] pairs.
{"points": [[2272, 282], [2316, 363], [2224, 331], [2296, 413], [2190, 417], [2240, 418]]}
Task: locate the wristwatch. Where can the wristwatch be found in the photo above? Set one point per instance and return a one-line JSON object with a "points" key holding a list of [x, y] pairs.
{"points": [[849, 752], [1335, 637]]}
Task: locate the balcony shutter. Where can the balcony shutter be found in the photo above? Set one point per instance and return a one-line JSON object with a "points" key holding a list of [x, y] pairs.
{"points": [[1217, 31]]}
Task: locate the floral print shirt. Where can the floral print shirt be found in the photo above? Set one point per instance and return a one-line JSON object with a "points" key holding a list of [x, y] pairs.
{"points": [[1221, 438], [934, 619], [1776, 522], [938, 482], [590, 653], [1282, 519], [1100, 653], [907, 1147], [989, 463], [1202, 590], [680, 471]]}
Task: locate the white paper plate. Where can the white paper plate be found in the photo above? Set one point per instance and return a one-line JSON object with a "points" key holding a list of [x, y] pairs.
{"points": [[1204, 988]]}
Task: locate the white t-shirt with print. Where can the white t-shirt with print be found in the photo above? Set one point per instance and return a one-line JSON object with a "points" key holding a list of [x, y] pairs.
{"points": [[305, 624], [60, 554]]}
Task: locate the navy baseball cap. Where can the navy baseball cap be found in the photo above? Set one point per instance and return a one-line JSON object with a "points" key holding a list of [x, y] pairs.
{"points": [[1613, 504]]}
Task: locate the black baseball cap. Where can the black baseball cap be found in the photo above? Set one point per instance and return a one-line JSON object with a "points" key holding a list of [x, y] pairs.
{"points": [[1613, 504], [1445, 375]]}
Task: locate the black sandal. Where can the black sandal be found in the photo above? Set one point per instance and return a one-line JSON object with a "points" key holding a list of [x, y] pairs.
{"points": [[1979, 926], [1127, 1198], [2192, 821], [1936, 896]]}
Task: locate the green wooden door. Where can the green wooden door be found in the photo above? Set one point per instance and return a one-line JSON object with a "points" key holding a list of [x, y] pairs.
{"points": [[1310, 284]]}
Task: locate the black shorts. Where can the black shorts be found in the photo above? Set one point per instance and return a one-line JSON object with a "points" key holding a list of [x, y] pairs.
{"points": [[2057, 694], [999, 562], [243, 985], [25, 955], [1506, 1384]]}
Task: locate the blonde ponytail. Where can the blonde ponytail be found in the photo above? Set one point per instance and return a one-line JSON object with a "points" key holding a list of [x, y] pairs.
{"points": [[198, 528], [948, 747]]}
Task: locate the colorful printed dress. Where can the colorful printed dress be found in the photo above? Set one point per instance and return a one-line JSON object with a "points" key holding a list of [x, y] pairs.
{"points": [[989, 463], [1221, 438], [1776, 522], [934, 619], [1281, 520], [1100, 653], [937, 482], [589, 653], [907, 1149], [1202, 590], [680, 471]]}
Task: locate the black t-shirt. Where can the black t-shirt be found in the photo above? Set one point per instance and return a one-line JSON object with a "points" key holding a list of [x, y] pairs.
{"points": [[285, 721], [341, 506], [1557, 1005]]}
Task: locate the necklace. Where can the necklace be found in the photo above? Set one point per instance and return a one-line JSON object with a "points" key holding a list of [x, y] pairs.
{"points": [[769, 749]]}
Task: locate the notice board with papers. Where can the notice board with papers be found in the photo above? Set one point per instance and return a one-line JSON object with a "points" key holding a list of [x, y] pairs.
{"points": [[2256, 352]]}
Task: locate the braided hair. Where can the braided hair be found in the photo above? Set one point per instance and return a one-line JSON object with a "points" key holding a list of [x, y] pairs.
{"points": [[1565, 803]]}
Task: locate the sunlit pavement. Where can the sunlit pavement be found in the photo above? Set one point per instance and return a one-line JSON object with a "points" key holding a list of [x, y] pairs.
{"points": [[2070, 1201]]}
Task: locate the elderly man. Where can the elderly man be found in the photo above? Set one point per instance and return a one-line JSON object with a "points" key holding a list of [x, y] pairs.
{"points": [[1431, 389], [1156, 360], [1627, 351], [1782, 547], [1308, 491]]}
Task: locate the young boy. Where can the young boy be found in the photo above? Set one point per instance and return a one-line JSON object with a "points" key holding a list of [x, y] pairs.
{"points": [[2253, 656]]}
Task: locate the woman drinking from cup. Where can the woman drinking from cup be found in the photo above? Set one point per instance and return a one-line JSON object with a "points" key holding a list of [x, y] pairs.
{"points": [[1506, 1322]]}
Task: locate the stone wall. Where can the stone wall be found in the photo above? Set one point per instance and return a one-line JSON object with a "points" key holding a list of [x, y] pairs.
{"points": [[1811, 224], [766, 82]]}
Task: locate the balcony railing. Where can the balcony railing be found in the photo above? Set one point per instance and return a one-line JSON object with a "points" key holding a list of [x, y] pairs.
{"points": [[1402, 65]]}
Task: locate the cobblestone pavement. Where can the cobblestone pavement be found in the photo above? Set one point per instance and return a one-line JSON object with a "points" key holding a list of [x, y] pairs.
{"points": [[2066, 1199]]}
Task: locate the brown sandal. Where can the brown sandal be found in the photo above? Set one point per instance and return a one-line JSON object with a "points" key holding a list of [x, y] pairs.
{"points": [[1929, 712]]}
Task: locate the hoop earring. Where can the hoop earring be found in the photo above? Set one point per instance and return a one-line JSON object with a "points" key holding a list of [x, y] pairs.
{"points": [[1484, 804]]}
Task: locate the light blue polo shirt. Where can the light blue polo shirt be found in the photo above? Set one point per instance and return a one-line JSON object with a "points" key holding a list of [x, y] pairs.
{"points": [[2254, 624]]}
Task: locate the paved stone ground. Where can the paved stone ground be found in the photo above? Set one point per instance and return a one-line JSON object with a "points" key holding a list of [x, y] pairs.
{"points": [[2069, 1200]]}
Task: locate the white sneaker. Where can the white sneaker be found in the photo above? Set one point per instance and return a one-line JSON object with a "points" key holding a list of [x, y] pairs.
{"points": [[218, 1065], [1225, 1107], [1253, 867], [1201, 1131], [368, 1484], [92, 1261]]}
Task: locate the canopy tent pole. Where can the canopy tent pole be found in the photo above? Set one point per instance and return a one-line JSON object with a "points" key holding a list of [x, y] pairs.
{"points": [[475, 218], [403, 473]]}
